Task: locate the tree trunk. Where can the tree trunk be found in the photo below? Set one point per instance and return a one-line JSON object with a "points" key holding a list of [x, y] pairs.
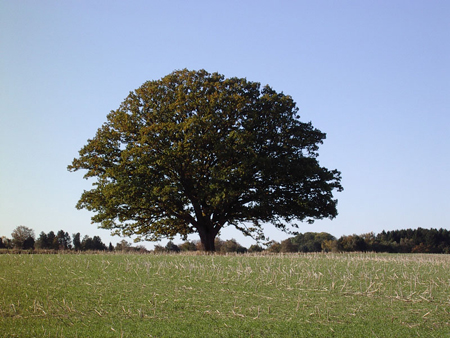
{"points": [[207, 237]]}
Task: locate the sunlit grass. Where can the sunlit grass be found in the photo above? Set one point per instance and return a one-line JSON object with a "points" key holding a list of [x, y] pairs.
{"points": [[315, 295]]}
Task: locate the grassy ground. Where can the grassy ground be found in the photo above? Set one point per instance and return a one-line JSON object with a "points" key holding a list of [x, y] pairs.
{"points": [[318, 295]]}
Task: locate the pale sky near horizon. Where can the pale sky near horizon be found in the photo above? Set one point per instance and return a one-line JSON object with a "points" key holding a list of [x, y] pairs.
{"points": [[373, 75]]}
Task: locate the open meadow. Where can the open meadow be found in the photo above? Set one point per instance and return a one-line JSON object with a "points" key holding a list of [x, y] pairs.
{"points": [[181, 295]]}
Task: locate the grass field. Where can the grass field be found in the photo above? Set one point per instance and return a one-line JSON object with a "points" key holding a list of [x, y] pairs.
{"points": [[314, 295]]}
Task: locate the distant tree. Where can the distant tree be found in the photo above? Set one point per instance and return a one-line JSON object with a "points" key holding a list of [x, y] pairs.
{"points": [[87, 243], [97, 244], [411, 240], [42, 241], [274, 247], [320, 237], [140, 248], [311, 241], [159, 248], [231, 245], [64, 240], [255, 248], [330, 245], [420, 236], [76, 241], [6, 243], [2, 245], [52, 241], [420, 248], [199, 245], [194, 152], [352, 243], [110, 247], [382, 237], [406, 245], [432, 240], [370, 240], [170, 246], [188, 246], [20, 235], [444, 244], [288, 246], [123, 245], [217, 244], [28, 243], [345, 243]]}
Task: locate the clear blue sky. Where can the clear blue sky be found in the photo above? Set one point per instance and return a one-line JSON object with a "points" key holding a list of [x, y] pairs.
{"points": [[373, 75]]}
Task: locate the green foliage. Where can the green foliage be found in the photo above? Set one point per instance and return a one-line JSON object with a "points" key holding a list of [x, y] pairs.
{"points": [[418, 240], [171, 247], [77, 241], [5, 243], [60, 241], [288, 246], [52, 241], [312, 241], [94, 244], [255, 248], [232, 245], [274, 247], [330, 245], [400, 241], [28, 243], [195, 151], [188, 246], [42, 241], [64, 240], [159, 249], [352, 243], [397, 241], [123, 245], [23, 237]]}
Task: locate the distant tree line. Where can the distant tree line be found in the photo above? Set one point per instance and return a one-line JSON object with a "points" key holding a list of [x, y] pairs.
{"points": [[221, 246], [23, 238], [397, 241]]}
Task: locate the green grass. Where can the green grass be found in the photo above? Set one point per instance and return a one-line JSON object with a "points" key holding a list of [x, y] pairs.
{"points": [[317, 295]]}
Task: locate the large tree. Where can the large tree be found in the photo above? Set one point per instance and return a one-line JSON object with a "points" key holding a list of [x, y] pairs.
{"points": [[22, 237], [194, 152]]}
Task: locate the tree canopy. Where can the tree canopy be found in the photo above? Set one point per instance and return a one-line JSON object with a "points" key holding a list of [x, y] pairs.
{"points": [[194, 152], [23, 237]]}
